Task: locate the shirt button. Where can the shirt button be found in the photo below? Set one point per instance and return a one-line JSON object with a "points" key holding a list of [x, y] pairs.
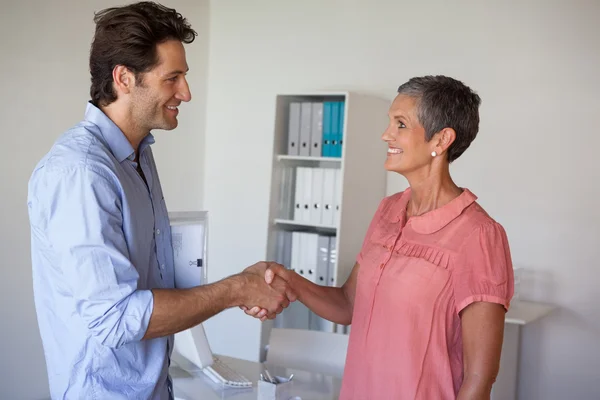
{"points": [[162, 266], [158, 231]]}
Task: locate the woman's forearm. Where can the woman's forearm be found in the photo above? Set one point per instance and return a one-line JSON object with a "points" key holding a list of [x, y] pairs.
{"points": [[331, 303], [475, 388]]}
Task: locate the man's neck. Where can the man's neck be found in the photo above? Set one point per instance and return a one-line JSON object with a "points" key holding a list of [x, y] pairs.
{"points": [[431, 189], [121, 116]]}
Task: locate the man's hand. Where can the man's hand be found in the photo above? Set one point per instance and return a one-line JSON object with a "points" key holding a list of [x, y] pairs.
{"points": [[275, 275], [257, 294]]}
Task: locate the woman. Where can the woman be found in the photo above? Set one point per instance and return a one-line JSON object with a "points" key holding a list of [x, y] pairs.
{"points": [[431, 284]]}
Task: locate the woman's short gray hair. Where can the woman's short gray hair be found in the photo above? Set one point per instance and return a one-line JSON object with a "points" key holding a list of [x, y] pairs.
{"points": [[444, 102]]}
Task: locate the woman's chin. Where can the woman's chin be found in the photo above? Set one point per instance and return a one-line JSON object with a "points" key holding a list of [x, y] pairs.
{"points": [[391, 166]]}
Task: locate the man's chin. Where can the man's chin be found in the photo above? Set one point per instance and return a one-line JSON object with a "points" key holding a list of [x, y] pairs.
{"points": [[168, 126]]}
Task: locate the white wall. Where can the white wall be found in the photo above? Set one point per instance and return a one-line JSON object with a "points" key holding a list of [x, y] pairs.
{"points": [[534, 63], [45, 85]]}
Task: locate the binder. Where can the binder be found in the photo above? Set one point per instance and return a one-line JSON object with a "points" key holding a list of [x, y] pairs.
{"points": [[279, 250], [306, 194], [297, 315], [305, 128], [340, 130], [322, 257], [316, 215], [287, 249], [316, 131], [284, 248], [298, 194], [326, 148], [328, 212], [286, 193], [295, 253], [337, 196], [293, 129], [331, 278], [335, 126], [325, 266], [310, 245]]}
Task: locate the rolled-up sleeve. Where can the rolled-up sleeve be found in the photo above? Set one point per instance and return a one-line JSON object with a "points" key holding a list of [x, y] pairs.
{"points": [[84, 228], [484, 270]]}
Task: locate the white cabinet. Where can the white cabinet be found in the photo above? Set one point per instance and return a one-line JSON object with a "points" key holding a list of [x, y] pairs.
{"points": [[328, 193]]}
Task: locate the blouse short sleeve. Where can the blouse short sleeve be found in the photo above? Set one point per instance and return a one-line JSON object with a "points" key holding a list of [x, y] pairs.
{"points": [[484, 271]]}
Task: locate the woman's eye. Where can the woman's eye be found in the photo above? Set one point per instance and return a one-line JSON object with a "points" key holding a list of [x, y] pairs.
{"points": [[401, 125]]}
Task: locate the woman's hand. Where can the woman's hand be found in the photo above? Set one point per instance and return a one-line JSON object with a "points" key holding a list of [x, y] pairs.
{"points": [[275, 274]]}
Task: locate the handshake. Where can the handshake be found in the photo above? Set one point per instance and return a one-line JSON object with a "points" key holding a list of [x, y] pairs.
{"points": [[266, 290]]}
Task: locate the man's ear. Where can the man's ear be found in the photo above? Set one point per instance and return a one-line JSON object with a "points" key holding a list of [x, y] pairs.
{"points": [[123, 79], [443, 139]]}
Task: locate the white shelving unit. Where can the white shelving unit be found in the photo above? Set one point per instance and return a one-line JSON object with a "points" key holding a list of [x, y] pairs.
{"points": [[284, 157], [361, 175], [290, 222]]}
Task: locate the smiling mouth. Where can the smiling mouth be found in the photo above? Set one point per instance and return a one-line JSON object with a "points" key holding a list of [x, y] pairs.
{"points": [[392, 150]]}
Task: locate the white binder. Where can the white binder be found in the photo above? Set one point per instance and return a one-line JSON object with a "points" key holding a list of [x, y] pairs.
{"points": [[318, 323], [294, 129], [284, 248], [296, 316], [309, 254], [306, 194], [287, 193], [328, 215], [295, 258], [331, 278], [316, 132], [305, 128], [299, 194], [338, 196], [316, 213]]}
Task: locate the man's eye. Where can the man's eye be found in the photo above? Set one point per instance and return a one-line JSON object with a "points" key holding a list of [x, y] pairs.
{"points": [[173, 79]]}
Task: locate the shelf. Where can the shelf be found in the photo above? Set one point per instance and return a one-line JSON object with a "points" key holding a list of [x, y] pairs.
{"points": [[524, 312], [290, 222], [285, 157]]}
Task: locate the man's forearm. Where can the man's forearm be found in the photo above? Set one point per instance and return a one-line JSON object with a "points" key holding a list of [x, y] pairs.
{"points": [[328, 302], [178, 309]]}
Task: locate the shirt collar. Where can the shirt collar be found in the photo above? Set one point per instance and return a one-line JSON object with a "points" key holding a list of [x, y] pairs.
{"points": [[435, 220], [114, 137]]}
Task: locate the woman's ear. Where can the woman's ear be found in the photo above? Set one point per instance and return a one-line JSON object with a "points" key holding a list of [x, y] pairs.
{"points": [[443, 139]]}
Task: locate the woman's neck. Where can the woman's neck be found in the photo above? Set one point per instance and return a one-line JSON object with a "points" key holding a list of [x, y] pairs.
{"points": [[430, 191]]}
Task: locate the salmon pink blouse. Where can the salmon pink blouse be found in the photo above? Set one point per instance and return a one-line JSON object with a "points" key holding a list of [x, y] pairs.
{"points": [[415, 277]]}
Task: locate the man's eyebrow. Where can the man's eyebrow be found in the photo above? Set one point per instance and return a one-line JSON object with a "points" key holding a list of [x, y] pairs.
{"points": [[177, 72]]}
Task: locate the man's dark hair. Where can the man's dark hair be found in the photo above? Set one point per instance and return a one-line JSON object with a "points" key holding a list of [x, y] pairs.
{"points": [[444, 102], [128, 36]]}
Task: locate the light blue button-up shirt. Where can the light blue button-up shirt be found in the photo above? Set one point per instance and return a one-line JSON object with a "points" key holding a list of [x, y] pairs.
{"points": [[100, 239]]}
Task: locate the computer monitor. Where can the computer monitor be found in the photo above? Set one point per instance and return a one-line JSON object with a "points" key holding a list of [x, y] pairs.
{"points": [[189, 236], [191, 351]]}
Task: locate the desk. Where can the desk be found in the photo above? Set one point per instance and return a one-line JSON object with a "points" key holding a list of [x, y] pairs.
{"points": [[519, 314], [306, 385]]}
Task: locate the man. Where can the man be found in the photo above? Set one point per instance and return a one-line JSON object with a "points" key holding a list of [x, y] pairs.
{"points": [[100, 238]]}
